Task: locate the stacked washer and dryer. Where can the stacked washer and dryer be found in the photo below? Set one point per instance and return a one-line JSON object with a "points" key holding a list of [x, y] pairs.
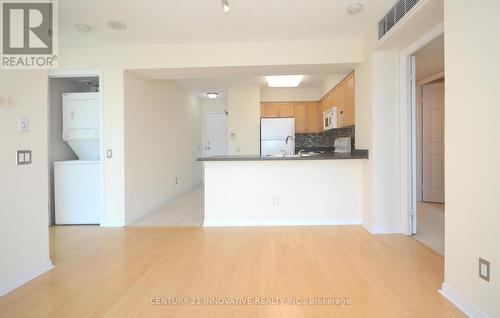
{"points": [[77, 183]]}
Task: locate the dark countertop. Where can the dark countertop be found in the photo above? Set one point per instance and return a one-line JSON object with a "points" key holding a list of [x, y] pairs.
{"points": [[356, 154]]}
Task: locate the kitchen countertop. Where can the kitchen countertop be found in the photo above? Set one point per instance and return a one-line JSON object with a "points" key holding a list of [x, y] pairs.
{"points": [[356, 154]]}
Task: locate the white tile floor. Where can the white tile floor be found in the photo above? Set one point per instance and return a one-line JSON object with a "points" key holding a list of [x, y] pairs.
{"points": [[430, 225], [185, 210]]}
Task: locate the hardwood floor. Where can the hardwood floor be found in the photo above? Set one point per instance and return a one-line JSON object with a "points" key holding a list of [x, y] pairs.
{"points": [[185, 210], [116, 272]]}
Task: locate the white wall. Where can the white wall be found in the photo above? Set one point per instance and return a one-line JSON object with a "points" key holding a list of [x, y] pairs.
{"points": [[244, 120], [162, 143], [24, 237], [59, 150], [213, 105], [472, 177], [292, 94], [330, 82], [112, 61], [377, 124], [309, 192]]}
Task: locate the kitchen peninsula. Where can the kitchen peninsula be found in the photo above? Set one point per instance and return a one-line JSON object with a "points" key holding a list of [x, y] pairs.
{"points": [[321, 189]]}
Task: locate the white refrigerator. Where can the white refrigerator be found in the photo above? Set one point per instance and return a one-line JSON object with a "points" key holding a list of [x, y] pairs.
{"points": [[277, 136]]}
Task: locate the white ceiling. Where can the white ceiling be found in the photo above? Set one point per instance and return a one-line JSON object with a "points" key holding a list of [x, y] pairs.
{"points": [[199, 81], [185, 21], [199, 87]]}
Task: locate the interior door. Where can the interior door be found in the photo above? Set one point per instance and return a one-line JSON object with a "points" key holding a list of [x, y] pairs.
{"points": [[216, 136], [433, 142]]}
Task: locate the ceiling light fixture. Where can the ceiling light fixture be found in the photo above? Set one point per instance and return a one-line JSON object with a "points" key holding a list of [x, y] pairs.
{"points": [[212, 95], [116, 25], [284, 81], [225, 6], [354, 9], [82, 27]]}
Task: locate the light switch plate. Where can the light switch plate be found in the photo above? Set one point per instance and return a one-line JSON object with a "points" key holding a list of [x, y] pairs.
{"points": [[484, 269], [109, 153], [23, 157], [24, 125]]}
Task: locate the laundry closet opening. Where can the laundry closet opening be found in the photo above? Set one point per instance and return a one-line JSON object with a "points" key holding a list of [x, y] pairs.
{"points": [[75, 152]]}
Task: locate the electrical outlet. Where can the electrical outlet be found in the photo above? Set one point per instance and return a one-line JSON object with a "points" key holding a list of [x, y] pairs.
{"points": [[484, 269], [176, 180], [276, 200]]}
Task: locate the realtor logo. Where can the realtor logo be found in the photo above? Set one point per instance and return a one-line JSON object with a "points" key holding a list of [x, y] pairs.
{"points": [[29, 37]]}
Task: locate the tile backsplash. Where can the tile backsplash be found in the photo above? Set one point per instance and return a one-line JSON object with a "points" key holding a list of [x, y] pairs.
{"points": [[323, 139]]}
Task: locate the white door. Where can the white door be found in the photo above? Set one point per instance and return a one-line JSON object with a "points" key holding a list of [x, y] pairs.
{"points": [[216, 134], [433, 142]]}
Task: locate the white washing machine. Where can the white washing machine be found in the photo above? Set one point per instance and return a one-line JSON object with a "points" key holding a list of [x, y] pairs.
{"points": [[77, 187], [77, 192]]}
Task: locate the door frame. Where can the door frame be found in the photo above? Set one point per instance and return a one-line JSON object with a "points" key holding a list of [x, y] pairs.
{"points": [[204, 129], [408, 202], [83, 73], [419, 123]]}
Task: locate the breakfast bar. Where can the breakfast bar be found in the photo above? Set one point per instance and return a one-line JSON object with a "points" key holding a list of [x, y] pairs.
{"points": [[307, 189]]}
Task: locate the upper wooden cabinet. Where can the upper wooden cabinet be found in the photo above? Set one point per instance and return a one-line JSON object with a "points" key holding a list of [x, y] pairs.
{"points": [[269, 110], [349, 107], [308, 118], [342, 97], [309, 115]]}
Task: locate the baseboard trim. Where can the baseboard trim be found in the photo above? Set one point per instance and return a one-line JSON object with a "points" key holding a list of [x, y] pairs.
{"points": [[376, 230], [113, 224], [461, 302], [244, 223], [26, 277]]}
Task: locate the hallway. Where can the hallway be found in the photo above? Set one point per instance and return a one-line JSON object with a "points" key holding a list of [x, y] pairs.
{"points": [[430, 225]]}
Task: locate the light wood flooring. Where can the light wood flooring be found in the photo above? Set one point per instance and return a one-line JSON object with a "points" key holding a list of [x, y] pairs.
{"points": [[185, 210], [106, 272]]}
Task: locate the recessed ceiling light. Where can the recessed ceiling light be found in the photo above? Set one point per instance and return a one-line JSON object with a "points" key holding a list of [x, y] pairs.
{"points": [[82, 27], [284, 81], [354, 9], [225, 6], [212, 95], [116, 25]]}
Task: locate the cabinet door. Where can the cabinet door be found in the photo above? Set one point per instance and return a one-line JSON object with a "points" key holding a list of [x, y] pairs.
{"points": [[300, 113], [341, 101], [341, 117], [349, 108], [314, 118], [268, 110], [286, 110]]}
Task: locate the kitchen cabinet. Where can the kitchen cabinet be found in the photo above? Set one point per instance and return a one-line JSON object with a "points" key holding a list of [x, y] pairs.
{"points": [[314, 118], [300, 112], [269, 110], [342, 96], [349, 107], [308, 115]]}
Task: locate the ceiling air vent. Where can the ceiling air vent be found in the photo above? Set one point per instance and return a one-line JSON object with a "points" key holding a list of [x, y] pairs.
{"points": [[396, 13]]}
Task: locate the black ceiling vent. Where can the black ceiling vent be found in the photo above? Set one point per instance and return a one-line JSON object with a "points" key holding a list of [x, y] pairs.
{"points": [[396, 13]]}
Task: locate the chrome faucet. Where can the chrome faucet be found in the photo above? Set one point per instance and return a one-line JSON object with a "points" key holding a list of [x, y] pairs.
{"points": [[284, 152], [287, 138]]}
